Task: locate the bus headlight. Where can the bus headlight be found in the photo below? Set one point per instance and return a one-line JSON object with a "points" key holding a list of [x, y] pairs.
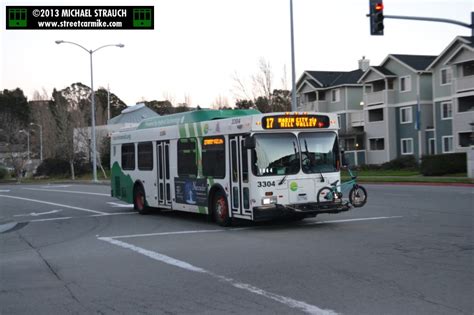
{"points": [[269, 200]]}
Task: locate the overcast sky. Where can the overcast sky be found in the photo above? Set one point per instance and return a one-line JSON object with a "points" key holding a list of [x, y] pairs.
{"points": [[198, 45]]}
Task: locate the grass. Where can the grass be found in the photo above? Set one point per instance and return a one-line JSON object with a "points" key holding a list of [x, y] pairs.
{"points": [[394, 176]]}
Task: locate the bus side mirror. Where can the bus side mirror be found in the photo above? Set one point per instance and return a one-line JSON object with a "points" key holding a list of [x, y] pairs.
{"points": [[249, 142]]}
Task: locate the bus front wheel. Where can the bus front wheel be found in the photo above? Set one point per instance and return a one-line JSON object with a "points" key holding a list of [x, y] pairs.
{"points": [[221, 209], [139, 201]]}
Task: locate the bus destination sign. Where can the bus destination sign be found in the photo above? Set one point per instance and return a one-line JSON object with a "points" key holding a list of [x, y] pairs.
{"points": [[295, 121]]}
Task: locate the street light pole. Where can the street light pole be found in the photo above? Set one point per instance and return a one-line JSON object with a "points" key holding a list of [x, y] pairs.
{"points": [[28, 142], [90, 52], [41, 139], [293, 75]]}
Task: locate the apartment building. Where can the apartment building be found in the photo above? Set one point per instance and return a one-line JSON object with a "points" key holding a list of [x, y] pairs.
{"points": [[408, 105]]}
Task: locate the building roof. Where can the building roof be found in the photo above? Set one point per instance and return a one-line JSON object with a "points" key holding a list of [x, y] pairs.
{"points": [[384, 71], [470, 40], [416, 62], [133, 114], [335, 78]]}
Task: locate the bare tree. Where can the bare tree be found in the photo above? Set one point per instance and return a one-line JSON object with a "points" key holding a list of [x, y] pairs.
{"points": [[220, 102], [239, 90], [262, 81], [168, 96], [187, 99], [284, 79]]}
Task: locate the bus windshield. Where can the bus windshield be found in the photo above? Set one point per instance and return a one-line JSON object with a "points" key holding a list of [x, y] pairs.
{"points": [[282, 154], [275, 154], [319, 152]]}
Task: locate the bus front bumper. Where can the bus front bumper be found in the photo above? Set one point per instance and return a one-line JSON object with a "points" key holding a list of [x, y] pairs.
{"points": [[276, 211]]}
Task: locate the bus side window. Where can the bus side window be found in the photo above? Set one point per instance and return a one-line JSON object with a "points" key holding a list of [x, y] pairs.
{"points": [[187, 165]]}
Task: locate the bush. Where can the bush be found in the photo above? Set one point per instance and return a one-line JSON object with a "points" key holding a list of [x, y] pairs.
{"points": [[60, 167], [442, 164], [402, 163], [53, 167], [3, 172]]}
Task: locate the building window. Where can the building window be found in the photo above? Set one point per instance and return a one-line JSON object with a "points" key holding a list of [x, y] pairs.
{"points": [[377, 144], [128, 156], [446, 76], [376, 115], [448, 144], [466, 139], [431, 146], [447, 110], [335, 95], [339, 122], [406, 115], [466, 104], [187, 165], [145, 156], [407, 146], [468, 68], [405, 84], [213, 157], [311, 96]]}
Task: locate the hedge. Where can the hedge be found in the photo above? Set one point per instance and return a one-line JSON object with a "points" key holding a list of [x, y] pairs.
{"points": [[442, 164]]}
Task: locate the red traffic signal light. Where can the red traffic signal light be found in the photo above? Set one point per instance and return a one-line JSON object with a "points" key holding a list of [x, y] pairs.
{"points": [[376, 17]]}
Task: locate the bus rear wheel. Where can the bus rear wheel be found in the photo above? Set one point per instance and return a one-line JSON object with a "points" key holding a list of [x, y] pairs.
{"points": [[139, 200], [221, 209]]}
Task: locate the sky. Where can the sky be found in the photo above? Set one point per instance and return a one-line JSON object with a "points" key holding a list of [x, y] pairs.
{"points": [[198, 47]]}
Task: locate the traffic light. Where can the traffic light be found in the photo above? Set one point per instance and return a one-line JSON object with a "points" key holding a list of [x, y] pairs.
{"points": [[376, 17]]}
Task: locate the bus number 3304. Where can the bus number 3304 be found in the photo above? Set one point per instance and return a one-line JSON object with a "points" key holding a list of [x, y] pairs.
{"points": [[266, 184]]}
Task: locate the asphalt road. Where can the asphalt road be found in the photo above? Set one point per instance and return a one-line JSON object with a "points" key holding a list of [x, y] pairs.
{"points": [[71, 249]]}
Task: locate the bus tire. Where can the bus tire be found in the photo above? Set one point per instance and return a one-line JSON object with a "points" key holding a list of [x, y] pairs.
{"points": [[139, 200], [323, 194], [220, 209]]}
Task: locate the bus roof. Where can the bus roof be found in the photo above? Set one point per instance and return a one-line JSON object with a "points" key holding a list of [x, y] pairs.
{"points": [[194, 116]]}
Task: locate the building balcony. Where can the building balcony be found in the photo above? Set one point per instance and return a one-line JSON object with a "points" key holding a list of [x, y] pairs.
{"points": [[464, 84], [379, 97], [316, 106], [357, 119]]}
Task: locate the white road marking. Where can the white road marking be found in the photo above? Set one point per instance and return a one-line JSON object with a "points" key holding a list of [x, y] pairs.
{"points": [[55, 204], [81, 217], [69, 191], [245, 228], [300, 305], [56, 186], [34, 214], [120, 205], [353, 220], [5, 190], [166, 233]]}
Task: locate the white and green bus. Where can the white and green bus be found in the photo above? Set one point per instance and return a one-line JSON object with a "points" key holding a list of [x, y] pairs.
{"points": [[228, 164]]}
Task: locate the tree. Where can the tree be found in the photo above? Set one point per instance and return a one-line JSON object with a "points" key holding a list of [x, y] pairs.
{"points": [[262, 81], [15, 103], [263, 104], [14, 141], [281, 101], [244, 104], [220, 102], [161, 107], [67, 117]]}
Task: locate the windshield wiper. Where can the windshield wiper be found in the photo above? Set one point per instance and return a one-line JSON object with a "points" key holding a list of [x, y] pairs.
{"points": [[282, 180]]}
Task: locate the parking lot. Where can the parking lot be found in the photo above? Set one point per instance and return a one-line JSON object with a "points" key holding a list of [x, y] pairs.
{"points": [[74, 249]]}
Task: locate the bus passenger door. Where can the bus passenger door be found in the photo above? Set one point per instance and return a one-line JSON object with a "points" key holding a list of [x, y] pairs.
{"points": [[239, 166], [163, 176]]}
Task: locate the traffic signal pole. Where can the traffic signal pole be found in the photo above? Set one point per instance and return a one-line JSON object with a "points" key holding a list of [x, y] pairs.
{"points": [[420, 18]]}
